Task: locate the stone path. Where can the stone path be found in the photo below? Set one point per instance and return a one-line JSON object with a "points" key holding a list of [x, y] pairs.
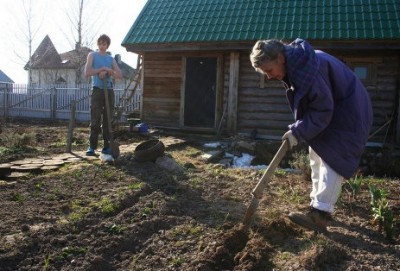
{"points": [[24, 167]]}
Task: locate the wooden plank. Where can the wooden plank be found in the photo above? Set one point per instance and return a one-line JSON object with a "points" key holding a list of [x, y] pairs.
{"points": [[279, 126], [273, 115], [268, 108], [220, 105], [182, 88], [262, 99], [276, 92], [233, 92]]}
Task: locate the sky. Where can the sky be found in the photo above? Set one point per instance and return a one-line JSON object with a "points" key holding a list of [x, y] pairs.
{"points": [[50, 17]]}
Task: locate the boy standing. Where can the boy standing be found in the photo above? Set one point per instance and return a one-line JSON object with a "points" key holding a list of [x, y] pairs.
{"points": [[102, 67]]}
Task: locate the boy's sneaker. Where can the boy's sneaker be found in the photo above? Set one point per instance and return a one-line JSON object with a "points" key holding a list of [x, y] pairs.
{"points": [[314, 219], [106, 151], [90, 152]]}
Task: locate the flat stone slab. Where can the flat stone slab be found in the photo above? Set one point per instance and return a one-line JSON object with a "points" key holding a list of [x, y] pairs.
{"points": [[17, 175], [53, 163], [72, 160], [49, 168], [26, 168]]}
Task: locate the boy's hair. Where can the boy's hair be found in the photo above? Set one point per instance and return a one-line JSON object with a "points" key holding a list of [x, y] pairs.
{"points": [[104, 38]]}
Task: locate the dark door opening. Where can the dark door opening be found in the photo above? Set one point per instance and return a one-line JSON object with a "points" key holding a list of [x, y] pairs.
{"points": [[200, 91]]}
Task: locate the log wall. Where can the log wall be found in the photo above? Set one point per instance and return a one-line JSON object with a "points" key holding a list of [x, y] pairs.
{"points": [[261, 105], [162, 80], [383, 89]]}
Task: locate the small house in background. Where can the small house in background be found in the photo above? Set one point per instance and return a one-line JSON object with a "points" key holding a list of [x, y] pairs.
{"points": [[197, 74], [47, 66], [6, 83], [4, 79]]}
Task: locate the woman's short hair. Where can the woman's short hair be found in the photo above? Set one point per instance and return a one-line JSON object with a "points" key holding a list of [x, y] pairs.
{"points": [[265, 50]]}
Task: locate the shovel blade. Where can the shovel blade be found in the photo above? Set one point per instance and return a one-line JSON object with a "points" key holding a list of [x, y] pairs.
{"points": [[251, 209], [258, 190], [114, 149]]}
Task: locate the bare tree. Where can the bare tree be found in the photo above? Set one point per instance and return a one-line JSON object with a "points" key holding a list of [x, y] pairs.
{"points": [[84, 27], [29, 28]]}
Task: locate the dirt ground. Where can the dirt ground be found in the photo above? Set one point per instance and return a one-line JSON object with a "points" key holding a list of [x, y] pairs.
{"points": [[129, 215]]}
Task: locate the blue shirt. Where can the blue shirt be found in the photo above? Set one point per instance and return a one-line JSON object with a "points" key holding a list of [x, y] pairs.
{"points": [[100, 61]]}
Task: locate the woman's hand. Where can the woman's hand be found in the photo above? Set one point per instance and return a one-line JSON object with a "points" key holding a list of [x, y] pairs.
{"points": [[291, 138]]}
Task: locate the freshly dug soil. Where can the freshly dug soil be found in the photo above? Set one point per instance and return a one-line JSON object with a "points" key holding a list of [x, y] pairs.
{"points": [[131, 215]]}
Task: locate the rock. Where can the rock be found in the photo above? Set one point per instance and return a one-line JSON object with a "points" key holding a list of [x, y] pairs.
{"points": [[169, 164], [244, 146], [25, 228], [213, 156], [226, 162]]}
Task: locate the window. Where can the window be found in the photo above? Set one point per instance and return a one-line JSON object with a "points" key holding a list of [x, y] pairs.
{"points": [[61, 80], [361, 71], [364, 68], [364, 71]]}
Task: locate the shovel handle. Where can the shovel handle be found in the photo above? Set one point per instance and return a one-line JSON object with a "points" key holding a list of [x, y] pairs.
{"points": [[107, 103], [258, 190]]}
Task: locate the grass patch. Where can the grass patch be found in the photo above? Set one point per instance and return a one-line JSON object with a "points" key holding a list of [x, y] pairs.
{"points": [[135, 186], [78, 211], [115, 229], [187, 230], [17, 197], [72, 251], [107, 206]]}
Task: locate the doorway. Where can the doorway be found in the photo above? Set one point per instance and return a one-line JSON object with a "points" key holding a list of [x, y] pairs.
{"points": [[200, 92]]}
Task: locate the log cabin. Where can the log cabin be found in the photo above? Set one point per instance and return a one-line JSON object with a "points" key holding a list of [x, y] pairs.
{"points": [[196, 74]]}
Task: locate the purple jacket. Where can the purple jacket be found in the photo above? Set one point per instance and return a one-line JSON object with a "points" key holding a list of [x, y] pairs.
{"points": [[331, 107]]}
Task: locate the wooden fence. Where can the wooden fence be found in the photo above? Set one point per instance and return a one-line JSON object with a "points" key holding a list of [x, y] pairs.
{"points": [[54, 102]]}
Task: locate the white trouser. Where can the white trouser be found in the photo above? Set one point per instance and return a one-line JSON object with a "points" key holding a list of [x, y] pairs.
{"points": [[326, 184]]}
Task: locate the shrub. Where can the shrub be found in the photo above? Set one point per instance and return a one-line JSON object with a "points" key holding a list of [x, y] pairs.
{"points": [[381, 212], [17, 140], [301, 161]]}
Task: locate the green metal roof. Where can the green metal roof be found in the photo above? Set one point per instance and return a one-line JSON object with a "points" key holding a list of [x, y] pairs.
{"points": [[176, 21]]}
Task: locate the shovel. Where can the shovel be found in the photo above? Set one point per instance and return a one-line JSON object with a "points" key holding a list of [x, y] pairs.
{"points": [[258, 190], [113, 145]]}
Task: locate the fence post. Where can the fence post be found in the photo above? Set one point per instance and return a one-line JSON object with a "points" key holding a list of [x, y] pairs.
{"points": [[71, 126], [53, 103], [4, 103]]}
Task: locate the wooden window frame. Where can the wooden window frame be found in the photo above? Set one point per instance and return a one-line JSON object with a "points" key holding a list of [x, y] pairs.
{"points": [[369, 63], [371, 71]]}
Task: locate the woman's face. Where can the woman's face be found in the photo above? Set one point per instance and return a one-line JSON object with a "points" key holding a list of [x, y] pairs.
{"points": [[274, 69]]}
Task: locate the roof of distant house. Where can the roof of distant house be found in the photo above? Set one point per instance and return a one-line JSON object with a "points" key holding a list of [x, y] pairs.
{"points": [[4, 78], [47, 57], [74, 58]]}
